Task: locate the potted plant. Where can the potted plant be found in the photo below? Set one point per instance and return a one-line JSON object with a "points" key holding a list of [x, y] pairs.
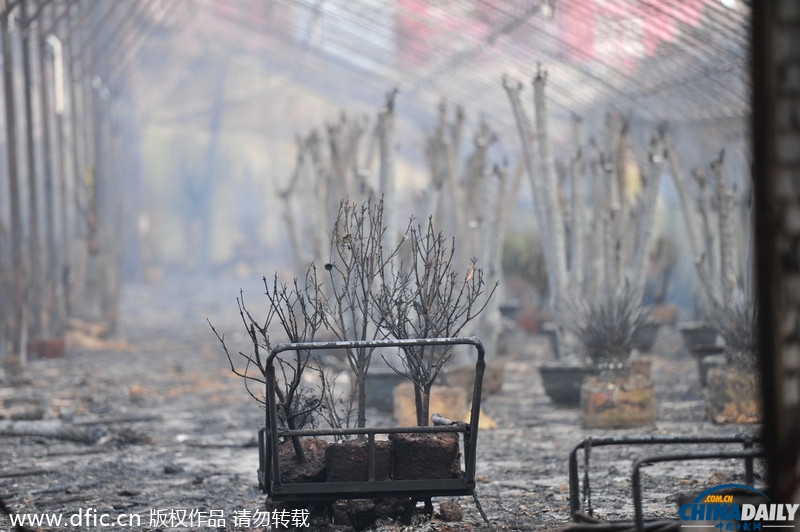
{"points": [[621, 395], [596, 229], [713, 215], [290, 316], [301, 312], [315, 431], [732, 390], [429, 298]]}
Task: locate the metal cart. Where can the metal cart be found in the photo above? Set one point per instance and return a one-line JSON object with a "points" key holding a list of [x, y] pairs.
{"points": [[271, 433]]}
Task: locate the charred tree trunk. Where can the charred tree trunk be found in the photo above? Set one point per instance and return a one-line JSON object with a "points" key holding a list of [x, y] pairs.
{"points": [[422, 397], [577, 169], [595, 251], [646, 219], [387, 178], [693, 225], [525, 131], [552, 204], [88, 434]]}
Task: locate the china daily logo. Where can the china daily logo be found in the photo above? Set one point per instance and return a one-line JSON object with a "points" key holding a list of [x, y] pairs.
{"points": [[729, 512]]}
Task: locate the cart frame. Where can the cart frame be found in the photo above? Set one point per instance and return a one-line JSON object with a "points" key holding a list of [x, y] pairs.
{"points": [[268, 437]]}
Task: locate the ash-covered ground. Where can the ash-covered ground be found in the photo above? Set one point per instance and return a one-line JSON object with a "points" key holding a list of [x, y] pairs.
{"points": [[178, 431]]}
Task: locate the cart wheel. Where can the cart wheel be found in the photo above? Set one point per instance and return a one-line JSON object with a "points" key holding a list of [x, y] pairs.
{"points": [[429, 508], [408, 511], [411, 506]]}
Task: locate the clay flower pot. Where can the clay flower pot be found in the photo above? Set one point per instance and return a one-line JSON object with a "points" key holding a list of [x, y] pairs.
{"points": [[464, 377], [733, 396], [617, 404], [47, 347], [665, 314], [625, 399]]}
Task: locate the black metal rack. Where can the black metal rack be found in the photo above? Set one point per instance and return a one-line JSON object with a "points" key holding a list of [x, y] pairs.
{"points": [[747, 454], [270, 434]]}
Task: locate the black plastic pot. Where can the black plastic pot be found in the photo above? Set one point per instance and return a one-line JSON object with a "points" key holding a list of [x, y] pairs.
{"points": [[550, 330], [645, 336], [380, 383], [707, 356], [563, 383], [697, 333]]}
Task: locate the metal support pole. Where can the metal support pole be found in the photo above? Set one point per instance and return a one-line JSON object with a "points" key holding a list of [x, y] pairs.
{"points": [[72, 282], [58, 108], [89, 40], [371, 457], [51, 311], [57, 19], [34, 237], [13, 184]]}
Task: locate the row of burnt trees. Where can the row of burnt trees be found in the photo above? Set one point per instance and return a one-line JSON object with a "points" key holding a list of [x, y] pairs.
{"points": [[597, 233], [595, 214], [66, 84], [464, 195], [376, 274], [718, 219], [365, 291]]}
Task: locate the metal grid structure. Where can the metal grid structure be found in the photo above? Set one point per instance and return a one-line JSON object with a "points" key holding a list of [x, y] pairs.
{"points": [[685, 61], [271, 434], [721, 451], [107, 70]]}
